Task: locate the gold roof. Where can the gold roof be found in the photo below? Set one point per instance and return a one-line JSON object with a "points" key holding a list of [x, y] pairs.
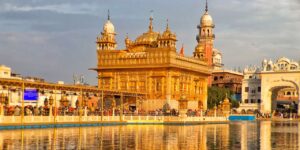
{"points": [[168, 34], [148, 38]]}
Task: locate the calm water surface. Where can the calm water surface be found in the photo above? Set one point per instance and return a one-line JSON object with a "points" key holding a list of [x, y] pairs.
{"points": [[263, 135]]}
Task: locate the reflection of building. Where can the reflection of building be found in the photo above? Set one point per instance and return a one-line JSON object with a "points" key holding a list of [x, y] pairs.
{"points": [[231, 80], [151, 64], [275, 81]]}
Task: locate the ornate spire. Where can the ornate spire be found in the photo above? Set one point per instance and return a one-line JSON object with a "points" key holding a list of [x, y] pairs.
{"points": [[206, 7], [108, 15], [167, 28], [151, 19], [181, 53]]}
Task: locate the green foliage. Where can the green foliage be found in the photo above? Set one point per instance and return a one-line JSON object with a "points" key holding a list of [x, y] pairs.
{"points": [[234, 103], [216, 95]]}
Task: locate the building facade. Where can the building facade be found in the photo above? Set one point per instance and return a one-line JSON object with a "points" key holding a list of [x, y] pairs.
{"points": [[151, 63], [251, 89], [265, 89], [229, 79]]}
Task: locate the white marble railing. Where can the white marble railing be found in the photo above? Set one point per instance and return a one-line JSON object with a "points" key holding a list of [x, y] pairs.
{"points": [[84, 119]]}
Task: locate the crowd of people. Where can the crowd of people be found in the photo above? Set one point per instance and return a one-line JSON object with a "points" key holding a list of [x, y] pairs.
{"points": [[30, 110]]}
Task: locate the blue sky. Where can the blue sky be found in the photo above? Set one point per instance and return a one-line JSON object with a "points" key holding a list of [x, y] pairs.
{"points": [[54, 39]]}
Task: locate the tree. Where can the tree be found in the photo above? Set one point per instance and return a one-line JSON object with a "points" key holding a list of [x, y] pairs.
{"points": [[216, 95]]}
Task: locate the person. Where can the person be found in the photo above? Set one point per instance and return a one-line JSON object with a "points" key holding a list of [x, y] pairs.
{"points": [[36, 111], [17, 111]]}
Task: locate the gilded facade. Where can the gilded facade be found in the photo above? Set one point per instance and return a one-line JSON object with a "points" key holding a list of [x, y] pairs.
{"points": [[151, 64]]}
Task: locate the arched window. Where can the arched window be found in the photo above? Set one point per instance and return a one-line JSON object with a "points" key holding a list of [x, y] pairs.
{"points": [[208, 32]]}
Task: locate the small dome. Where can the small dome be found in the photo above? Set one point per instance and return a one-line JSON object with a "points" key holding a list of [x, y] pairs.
{"points": [[206, 20], [168, 34], [216, 51], [147, 38], [199, 48], [109, 27], [265, 61], [283, 59], [270, 62]]}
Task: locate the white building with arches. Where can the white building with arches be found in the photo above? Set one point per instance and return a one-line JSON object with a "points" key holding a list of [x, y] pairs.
{"points": [[261, 86]]}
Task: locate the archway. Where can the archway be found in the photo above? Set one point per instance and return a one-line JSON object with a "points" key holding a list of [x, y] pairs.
{"points": [[270, 93], [281, 99]]}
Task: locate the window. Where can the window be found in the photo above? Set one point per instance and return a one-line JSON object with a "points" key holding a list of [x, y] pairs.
{"points": [[132, 85], [123, 85], [142, 86], [246, 89], [258, 89], [258, 101], [215, 78], [158, 86], [252, 100], [250, 77], [246, 100], [253, 91]]}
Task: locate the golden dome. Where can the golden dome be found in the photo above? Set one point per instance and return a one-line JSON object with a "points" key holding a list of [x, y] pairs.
{"points": [[199, 48], [149, 37], [206, 20], [168, 33]]}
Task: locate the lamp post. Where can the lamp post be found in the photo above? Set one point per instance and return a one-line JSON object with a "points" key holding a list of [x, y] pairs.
{"points": [[64, 102], [84, 100], [2, 99], [201, 111], [50, 103], [183, 106], [102, 95], [22, 99]]}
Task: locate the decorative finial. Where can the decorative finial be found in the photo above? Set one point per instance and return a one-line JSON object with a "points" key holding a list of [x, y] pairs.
{"points": [[151, 19], [151, 13], [167, 25], [108, 15], [206, 7]]}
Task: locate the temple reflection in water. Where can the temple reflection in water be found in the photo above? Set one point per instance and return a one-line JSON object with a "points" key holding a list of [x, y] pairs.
{"points": [[237, 135]]}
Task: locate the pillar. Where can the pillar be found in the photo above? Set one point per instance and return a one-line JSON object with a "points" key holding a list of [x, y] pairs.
{"points": [[169, 85], [298, 101], [266, 100], [204, 92]]}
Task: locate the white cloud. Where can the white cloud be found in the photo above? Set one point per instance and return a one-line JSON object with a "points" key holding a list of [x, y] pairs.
{"points": [[66, 8]]}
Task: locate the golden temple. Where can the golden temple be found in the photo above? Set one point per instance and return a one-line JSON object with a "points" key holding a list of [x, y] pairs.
{"points": [[151, 64]]}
